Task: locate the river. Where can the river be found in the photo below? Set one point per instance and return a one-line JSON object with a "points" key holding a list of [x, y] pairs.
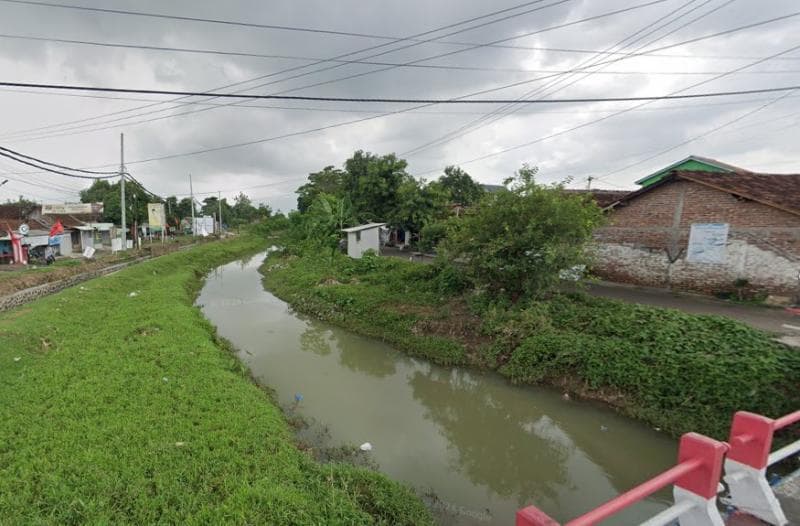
{"points": [[483, 446]]}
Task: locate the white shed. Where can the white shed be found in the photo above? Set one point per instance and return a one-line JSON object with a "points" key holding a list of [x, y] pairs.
{"points": [[362, 238]]}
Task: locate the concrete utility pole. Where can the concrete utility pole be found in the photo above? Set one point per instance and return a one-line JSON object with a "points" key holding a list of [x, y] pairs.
{"points": [[122, 188], [219, 202], [191, 194]]}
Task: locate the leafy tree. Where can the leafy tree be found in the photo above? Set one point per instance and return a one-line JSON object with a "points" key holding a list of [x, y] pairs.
{"points": [[463, 190], [319, 227], [518, 240], [172, 211], [329, 180], [103, 191], [372, 183], [418, 204], [184, 208]]}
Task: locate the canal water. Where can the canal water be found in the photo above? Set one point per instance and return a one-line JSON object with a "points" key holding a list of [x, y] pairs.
{"points": [[483, 446]]}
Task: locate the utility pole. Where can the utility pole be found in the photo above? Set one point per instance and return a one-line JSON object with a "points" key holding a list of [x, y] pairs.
{"points": [[589, 182], [122, 188], [191, 194], [219, 201]]}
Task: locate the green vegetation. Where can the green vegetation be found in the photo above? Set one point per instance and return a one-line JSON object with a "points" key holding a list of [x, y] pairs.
{"points": [[103, 191], [119, 406], [676, 371], [519, 241]]}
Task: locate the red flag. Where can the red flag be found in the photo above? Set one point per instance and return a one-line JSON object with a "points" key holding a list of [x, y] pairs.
{"points": [[57, 228]]}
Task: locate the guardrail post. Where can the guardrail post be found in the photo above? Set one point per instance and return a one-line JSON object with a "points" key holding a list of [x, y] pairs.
{"points": [[746, 467], [533, 516], [699, 486]]}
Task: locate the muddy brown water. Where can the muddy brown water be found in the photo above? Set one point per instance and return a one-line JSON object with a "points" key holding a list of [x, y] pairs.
{"points": [[483, 446]]}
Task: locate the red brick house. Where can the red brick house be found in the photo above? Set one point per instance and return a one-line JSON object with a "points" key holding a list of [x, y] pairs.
{"points": [[706, 231]]}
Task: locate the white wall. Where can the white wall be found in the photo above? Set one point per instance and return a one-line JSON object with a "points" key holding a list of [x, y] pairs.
{"points": [[370, 240]]}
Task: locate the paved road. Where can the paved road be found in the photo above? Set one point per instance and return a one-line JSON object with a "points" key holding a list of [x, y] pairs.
{"points": [[774, 320]]}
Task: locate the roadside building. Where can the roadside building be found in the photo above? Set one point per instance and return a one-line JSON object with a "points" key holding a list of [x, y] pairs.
{"points": [[713, 230], [363, 238]]}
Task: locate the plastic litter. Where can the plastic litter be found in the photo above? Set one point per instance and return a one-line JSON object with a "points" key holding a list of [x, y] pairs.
{"points": [[165, 379], [366, 446], [17, 358], [603, 428], [133, 294], [180, 444], [298, 398]]}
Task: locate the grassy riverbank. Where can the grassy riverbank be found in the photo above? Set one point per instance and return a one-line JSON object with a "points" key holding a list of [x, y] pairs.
{"points": [[118, 406], [676, 371]]}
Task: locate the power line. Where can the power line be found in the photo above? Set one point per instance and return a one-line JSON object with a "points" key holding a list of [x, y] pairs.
{"points": [[696, 137], [447, 67], [16, 153], [499, 114], [648, 52], [5, 153], [349, 33], [398, 100], [340, 56], [259, 141], [571, 23], [601, 119]]}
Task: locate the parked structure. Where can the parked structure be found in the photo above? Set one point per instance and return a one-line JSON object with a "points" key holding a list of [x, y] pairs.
{"points": [[713, 230], [362, 238]]}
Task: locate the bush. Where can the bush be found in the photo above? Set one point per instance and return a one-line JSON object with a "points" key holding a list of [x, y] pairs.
{"points": [[431, 235], [518, 240]]}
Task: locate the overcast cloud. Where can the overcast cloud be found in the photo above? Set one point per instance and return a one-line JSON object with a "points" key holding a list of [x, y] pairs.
{"points": [[270, 171]]}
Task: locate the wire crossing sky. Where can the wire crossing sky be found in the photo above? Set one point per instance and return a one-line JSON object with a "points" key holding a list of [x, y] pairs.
{"points": [[397, 64]]}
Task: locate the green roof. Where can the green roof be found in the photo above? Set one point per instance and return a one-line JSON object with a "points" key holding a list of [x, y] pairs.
{"points": [[694, 163]]}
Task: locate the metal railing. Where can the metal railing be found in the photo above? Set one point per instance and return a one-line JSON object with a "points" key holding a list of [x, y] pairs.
{"points": [[695, 478], [747, 462]]}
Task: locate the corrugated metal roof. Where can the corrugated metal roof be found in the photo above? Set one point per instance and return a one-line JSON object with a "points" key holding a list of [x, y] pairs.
{"points": [[363, 227]]}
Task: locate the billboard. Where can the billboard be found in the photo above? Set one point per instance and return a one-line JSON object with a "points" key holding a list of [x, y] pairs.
{"points": [[72, 208], [155, 216]]}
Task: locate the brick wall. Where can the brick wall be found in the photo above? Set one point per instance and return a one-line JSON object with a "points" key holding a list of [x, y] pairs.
{"points": [[645, 242]]}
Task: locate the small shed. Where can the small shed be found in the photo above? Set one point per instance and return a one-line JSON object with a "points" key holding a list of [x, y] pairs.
{"points": [[362, 238]]}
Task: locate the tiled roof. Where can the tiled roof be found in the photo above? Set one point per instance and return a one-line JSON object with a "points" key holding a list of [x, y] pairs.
{"points": [[602, 197], [776, 190]]}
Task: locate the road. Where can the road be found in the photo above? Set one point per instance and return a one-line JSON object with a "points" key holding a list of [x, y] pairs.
{"points": [[775, 320]]}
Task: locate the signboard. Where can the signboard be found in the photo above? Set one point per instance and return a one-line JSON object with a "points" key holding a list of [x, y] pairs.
{"points": [[71, 208], [707, 242], [203, 226], [155, 216]]}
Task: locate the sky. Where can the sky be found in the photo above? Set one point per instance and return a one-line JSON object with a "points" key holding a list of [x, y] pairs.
{"points": [[545, 49]]}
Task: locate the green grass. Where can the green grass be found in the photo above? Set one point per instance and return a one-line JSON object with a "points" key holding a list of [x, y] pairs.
{"points": [[676, 371], [120, 409]]}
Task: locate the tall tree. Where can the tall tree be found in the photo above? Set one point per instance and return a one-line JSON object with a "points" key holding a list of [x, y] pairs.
{"points": [[372, 183], [329, 180], [418, 204], [463, 190]]}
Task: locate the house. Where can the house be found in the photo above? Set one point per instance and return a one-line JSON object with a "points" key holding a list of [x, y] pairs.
{"points": [[710, 230], [362, 238]]}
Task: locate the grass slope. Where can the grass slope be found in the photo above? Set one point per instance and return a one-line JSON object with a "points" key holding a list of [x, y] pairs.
{"points": [[674, 370], [120, 409]]}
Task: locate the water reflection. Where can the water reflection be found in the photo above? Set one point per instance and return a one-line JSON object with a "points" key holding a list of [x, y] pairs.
{"points": [[488, 432], [315, 339], [483, 446]]}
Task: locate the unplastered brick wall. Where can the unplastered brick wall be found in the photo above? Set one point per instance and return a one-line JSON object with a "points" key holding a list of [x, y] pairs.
{"points": [[645, 242]]}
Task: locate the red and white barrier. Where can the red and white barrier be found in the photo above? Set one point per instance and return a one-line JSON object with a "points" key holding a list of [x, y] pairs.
{"points": [[695, 478], [747, 461]]}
